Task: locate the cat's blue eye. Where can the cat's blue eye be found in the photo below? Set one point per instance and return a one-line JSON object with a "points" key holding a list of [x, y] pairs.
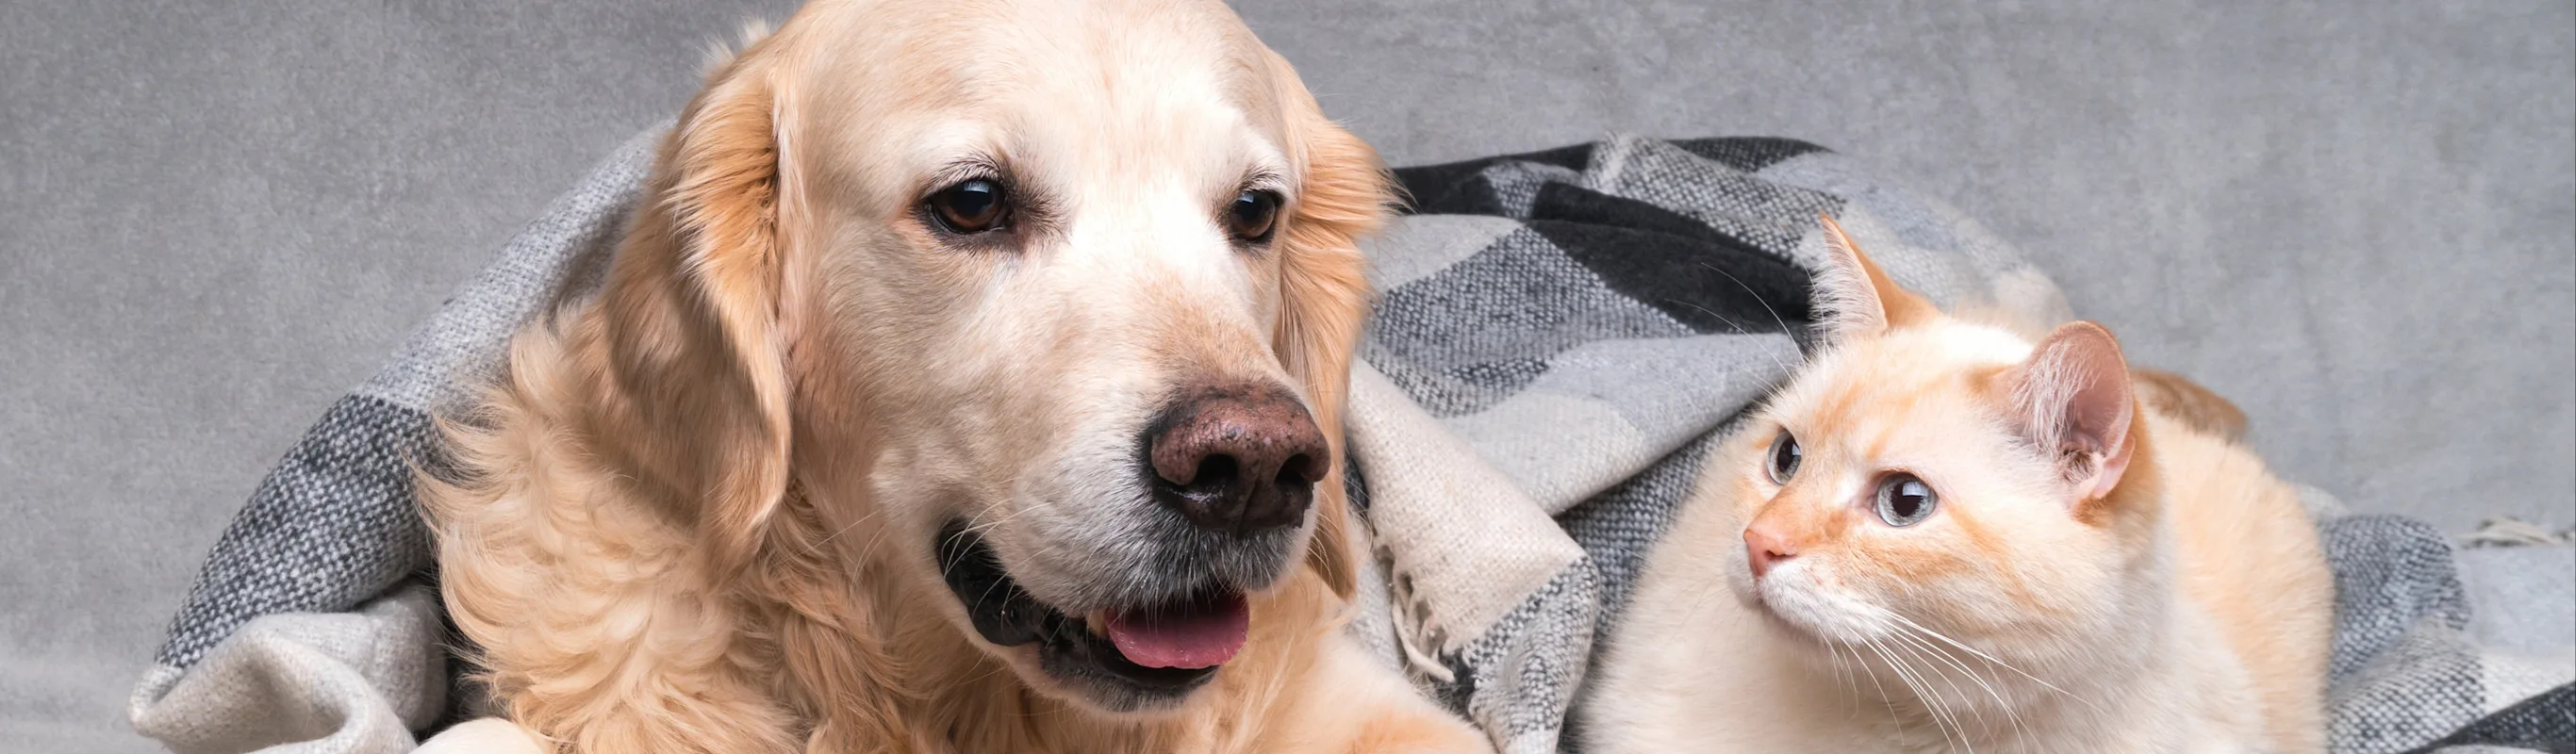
{"points": [[1784, 458], [1904, 500]]}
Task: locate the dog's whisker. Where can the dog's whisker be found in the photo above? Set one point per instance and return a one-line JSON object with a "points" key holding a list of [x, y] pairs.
{"points": [[601, 526], [827, 538]]}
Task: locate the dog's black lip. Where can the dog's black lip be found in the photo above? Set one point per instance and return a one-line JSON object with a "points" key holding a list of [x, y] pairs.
{"points": [[1009, 616], [1002, 612]]}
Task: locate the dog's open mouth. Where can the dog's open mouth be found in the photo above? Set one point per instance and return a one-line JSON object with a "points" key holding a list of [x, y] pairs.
{"points": [[1139, 654]]}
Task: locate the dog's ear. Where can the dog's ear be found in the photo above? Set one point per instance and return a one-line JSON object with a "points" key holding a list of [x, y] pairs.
{"points": [[696, 401], [1345, 192]]}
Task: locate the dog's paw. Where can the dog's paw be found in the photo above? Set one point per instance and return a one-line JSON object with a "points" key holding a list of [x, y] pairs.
{"points": [[489, 735], [1421, 734]]}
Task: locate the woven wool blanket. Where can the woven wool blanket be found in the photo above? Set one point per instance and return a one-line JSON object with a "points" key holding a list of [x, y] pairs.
{"points": [[1562, 336]]}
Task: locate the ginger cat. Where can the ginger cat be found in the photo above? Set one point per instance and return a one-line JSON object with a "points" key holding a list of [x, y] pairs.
{"points": [[1943, 537]]}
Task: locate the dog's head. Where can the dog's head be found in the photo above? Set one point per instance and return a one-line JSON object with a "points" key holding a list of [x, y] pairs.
{"points": [[1050, 306]]}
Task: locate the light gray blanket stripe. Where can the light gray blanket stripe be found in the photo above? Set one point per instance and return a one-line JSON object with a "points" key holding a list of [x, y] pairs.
{"points": [[1526, 416], [2405, 672]]}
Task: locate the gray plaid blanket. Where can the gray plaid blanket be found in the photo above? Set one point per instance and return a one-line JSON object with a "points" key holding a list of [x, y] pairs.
{"points": [[1562, 335]]}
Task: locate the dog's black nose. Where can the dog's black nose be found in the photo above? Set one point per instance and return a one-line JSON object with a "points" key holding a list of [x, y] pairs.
{"points": [[1238, 459]]}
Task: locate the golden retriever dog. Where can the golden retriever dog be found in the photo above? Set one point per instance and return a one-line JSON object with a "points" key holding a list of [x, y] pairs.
{"points": [[968, 380]]}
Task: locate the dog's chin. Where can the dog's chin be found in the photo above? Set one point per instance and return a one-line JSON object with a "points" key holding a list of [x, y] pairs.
{"points": [[1138, 656]]}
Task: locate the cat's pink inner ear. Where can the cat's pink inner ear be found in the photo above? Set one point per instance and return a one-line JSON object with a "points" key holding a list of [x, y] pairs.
{"points": [[2074, 397], [1846, 300], [1855, 297]]}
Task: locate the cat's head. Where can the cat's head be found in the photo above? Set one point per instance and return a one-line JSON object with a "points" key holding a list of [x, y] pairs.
{"points": [[1925, 473]]}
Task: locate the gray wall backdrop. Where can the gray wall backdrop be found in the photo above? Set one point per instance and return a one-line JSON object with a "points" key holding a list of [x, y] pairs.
{"points": [[2357, 219]]}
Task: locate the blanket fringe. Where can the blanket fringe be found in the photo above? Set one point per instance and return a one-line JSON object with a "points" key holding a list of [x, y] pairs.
{"points": [[2507, 531], [1415, 635]]}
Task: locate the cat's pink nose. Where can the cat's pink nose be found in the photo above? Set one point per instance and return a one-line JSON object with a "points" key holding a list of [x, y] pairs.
{"points": [[1763, 549]]}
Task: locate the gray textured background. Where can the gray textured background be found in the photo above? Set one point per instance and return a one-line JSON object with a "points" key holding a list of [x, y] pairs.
{"points": [[2358, 219]]}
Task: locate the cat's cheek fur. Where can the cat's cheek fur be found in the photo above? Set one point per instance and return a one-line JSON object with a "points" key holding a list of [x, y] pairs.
{"points": [[2111, 580], [1796, 594]]}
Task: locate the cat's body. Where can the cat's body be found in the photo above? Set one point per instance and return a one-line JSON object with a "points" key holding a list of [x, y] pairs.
{"points": [[1978, 545]]}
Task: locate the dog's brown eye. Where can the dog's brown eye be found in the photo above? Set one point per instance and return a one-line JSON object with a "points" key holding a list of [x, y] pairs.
{"points": [[1252, 216], [972, 206]]}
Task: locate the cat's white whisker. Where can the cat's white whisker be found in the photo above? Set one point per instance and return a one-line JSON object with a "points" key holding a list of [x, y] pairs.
{"points": [[1739, 330], [1998, 663], [1892, 717], [1843, 674], [1914, 682], [2010, 714], [1907, 631], [1892, 714], [1915, 648], [2098, 524], [1757, 298], [1932, 696]]}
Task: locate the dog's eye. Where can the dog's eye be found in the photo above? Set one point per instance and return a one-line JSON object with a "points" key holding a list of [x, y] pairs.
{"points": [[1252, 216], [974, 205]]}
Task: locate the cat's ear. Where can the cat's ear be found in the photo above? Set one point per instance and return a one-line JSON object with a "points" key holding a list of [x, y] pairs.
{"points": [[1856, 299], [2074, 401]]}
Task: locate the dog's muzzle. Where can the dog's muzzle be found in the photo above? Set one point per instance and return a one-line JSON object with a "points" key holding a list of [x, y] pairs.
{"points": [[1228, 475]]}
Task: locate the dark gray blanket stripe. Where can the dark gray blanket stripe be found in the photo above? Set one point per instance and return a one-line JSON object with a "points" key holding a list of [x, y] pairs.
{"points": [[1455, 188], [2403, 671], [332, 525], [1699, 276], [2546, 722]]}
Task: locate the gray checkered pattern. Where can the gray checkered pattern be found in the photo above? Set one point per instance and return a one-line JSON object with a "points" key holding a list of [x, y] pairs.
{"points": [[336, 511], [305, 604], [1521, 352], [1596, 403], [1534, 399]]}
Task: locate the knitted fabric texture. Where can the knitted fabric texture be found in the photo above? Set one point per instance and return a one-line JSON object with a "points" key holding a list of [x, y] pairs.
{"points": [[1561, 337]]}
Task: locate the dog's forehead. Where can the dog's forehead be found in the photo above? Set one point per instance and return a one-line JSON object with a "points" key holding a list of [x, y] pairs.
{"points": [[1114, 85]]}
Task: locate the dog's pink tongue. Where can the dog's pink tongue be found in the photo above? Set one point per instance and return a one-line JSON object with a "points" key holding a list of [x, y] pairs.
{"points": [[1205, 636]]}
